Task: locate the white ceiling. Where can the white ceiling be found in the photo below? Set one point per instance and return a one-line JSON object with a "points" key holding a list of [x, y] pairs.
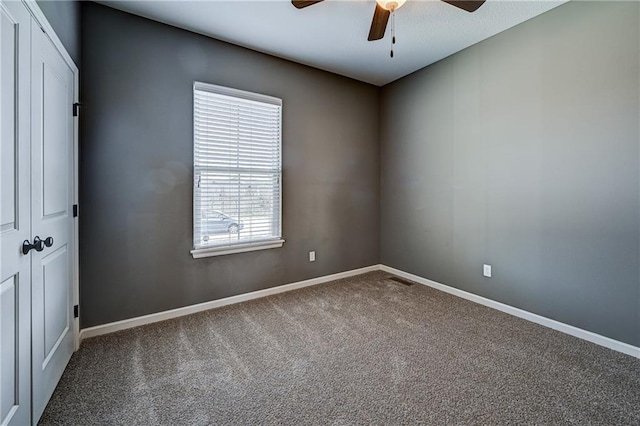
{"points": [[333, 35]]}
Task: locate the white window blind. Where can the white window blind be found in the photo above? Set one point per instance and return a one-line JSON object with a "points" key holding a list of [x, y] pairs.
{"points": [[237, 168]]}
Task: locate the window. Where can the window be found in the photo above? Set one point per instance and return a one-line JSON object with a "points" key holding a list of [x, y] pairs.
{"points": [[237, 171]]}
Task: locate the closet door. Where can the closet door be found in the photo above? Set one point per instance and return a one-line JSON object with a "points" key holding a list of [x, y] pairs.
{"points": [[51, 217], [15, 215]]}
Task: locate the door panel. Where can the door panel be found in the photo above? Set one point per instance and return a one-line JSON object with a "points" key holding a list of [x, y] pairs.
{"points": [[55, 286], [51, 187], [15, 216], [9, 349], [55, 113], [8, 153]]}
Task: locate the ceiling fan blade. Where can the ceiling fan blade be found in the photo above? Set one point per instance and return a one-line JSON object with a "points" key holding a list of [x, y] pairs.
{"points": [[468, 5], [379, 23], [301, 4]]}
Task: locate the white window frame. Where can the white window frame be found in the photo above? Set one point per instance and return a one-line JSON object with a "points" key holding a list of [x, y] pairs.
{"points": [[239, 247]]}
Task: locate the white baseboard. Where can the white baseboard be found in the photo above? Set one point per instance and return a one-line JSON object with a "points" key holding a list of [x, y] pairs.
{"points": [[538, 319], [187, 310]]}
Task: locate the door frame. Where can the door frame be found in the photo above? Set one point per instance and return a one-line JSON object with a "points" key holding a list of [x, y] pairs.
{"points": [[44, 24]]}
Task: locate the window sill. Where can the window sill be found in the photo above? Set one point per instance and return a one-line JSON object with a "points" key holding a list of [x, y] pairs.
{"points": [[238, 248]]}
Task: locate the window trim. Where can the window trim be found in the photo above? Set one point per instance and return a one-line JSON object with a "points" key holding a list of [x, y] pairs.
{"points": [[275, 242], [236, 248]]}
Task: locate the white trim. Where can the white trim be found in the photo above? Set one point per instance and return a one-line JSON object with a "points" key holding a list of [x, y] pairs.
{"points": [[538, 319], [40, 18], [188, 310], [237, 248], [200, 252], [76, 225], [598, 339]]}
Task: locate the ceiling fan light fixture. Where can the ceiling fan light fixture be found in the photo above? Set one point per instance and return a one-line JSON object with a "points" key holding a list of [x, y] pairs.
{"points": [[390, 5]]}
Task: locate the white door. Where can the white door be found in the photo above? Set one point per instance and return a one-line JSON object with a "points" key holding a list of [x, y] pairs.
{"points": [[51, 217], [15, 215]]}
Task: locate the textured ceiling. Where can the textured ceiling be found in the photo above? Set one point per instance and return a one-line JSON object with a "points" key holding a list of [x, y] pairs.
{"points": [[333, 35]]}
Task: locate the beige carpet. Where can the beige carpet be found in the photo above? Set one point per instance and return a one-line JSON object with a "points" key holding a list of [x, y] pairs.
{"points": [[363, 350]]}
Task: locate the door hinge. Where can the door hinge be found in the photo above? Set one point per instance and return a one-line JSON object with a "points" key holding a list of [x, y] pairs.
{"points": [[75, 108], [75, 311], [75, 210]]}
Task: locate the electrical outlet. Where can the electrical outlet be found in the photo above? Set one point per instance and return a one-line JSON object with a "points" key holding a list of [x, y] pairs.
{"points": [[312, 256], [486, 270]]}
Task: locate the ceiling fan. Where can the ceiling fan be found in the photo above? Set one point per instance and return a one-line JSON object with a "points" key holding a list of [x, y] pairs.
{"points": [[384, 9]]}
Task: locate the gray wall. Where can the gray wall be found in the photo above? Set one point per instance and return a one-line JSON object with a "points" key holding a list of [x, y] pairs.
{"points": [[523, 152], [136, 169], [64, 17]]}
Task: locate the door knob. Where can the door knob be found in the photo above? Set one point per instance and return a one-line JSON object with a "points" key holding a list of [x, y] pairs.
{"points": [[38, 245], [48, 242]]}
